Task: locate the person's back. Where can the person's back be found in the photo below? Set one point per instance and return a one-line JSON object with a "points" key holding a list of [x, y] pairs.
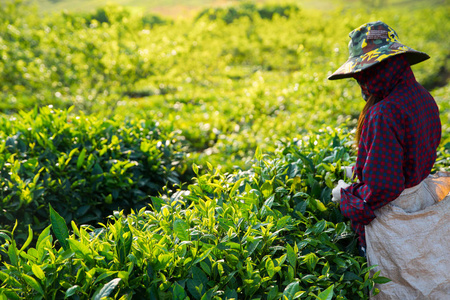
{"points": [[412, 111]]}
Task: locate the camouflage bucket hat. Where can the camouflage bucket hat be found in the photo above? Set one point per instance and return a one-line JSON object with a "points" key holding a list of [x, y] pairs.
{"points": [[372, 43]]}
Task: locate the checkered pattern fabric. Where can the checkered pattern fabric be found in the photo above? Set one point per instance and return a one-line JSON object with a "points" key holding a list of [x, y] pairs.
{"points": [[398, 143]]}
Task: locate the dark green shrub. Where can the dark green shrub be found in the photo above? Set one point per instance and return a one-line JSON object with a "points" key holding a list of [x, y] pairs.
{"points": [[268, 11], [232, 13], [226, 14], [84, 167], [150, 20], [108, 14]]}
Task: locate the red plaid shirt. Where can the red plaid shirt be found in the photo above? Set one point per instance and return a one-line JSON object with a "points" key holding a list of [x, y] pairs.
{"points": [[398, 143]]}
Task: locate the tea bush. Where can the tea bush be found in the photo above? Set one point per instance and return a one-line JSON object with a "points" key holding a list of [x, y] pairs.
{"points": [[84, 167], [270, 232]]}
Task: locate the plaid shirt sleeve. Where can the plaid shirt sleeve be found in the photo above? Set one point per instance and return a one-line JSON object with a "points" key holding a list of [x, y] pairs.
{"points": [[379, 167]]}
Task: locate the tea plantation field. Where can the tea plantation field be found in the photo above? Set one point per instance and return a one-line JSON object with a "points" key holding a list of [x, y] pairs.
{"points": [[143, 157]]}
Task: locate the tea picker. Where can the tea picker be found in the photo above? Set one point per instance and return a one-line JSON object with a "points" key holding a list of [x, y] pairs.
{"points": [[400, 211]]}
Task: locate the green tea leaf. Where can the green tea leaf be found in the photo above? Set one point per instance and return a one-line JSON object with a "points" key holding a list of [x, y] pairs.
{"points": [[3, 276], [29, 239], [266, 208], [311, 260], [75, 228], [107, 289], [197, 284], [320, 206], [291, 255], [270, 267], [326, 269], [208, 295], [59, 227], [273, 293], [195, 169], [71, 291], [178, 292], [14, 228], [291, 290], [12, 253], [281, 223], [104, 275], [79, 248], [81, 158], [108, 199], [236, 185], [381, 280], [258, 153], [157, 203], [37, 271], [351, 276], [33, 283], [252, 246], [67, 254], [309, 164], [267, 189], [203, 256], [181, 229], [327, 294], [319, 226]]}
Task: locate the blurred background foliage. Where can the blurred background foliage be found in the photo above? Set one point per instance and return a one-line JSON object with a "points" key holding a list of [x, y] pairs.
{"points": [[183, 8]]}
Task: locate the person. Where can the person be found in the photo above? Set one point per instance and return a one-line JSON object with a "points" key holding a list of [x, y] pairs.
{"points": [[397, 135]]}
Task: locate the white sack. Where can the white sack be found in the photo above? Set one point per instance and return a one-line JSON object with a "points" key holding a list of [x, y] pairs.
{"points": [[409, 240]]}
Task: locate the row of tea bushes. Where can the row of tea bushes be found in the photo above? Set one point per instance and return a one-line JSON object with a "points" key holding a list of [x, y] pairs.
{"points": [[68, 59], [83, 166], [269, 233]]}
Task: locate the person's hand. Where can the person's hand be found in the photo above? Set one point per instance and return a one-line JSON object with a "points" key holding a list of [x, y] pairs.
{"points": [[336, 192], [348, 171]]}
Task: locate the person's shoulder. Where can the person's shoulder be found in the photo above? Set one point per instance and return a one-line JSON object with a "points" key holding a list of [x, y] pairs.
{"points": [[386, 112], [384, 108]]}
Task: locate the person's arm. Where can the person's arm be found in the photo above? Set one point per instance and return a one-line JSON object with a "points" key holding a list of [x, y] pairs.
{"points": [[380, 167]]}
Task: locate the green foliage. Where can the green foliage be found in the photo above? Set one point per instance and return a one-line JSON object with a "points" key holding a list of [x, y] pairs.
{"points": [[152, 96], [84, 167], [109, 14], [248, 10], [269, 232], [154, 20], [112, 14], [67, 59]]}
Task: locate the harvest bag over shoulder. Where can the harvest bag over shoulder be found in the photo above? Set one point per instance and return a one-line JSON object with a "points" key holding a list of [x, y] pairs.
{"points": [[409, 240]]}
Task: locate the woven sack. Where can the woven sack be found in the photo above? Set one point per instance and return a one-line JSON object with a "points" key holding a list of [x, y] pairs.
{"points": [[409, 241]]}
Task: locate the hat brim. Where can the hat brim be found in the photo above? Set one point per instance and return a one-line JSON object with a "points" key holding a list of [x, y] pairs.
{"points": [[357, 64]]}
